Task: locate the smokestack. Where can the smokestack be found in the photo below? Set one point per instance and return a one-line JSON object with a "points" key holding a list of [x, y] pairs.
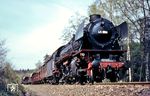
{"points": [[93, 17]]}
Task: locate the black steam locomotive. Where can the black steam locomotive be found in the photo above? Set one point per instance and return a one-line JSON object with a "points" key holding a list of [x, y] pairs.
{"points": [[93, 55]]}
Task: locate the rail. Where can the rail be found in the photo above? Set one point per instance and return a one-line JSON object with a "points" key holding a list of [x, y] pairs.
{"points": [[124, 83]]}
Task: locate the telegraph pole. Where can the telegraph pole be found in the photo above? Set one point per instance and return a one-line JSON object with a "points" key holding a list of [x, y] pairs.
{"points": [[129, 57], [147, 48], [147, 67]]}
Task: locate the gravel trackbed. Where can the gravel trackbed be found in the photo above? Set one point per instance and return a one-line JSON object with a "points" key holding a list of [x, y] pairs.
{"points": [[87, 90]]}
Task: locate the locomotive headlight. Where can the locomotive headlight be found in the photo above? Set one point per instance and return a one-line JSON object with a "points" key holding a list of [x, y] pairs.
{"points": [[105, 32], [102, 32]]}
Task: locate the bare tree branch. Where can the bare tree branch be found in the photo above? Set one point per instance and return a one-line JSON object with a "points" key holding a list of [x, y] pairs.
{"points": [[148, 5], [132, 21]]}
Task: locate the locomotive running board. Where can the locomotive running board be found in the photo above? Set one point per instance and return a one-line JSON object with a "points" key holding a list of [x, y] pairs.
{"points": [[98, 51], [104, 51], [75, 53]]}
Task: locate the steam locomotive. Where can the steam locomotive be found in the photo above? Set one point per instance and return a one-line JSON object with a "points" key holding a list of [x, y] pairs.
{"points": [[94, 54]]}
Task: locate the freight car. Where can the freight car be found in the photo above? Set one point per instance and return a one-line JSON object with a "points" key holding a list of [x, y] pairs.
{"points": [[92, 55]]}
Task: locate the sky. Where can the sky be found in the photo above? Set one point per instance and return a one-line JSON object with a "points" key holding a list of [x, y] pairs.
{"points": [[32, 28]]}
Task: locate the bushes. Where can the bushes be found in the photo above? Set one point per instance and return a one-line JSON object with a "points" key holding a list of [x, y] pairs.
{"points": [[8, 76]]}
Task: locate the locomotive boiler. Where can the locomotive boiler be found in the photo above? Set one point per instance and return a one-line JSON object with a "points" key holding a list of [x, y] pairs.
{"points": [[92, 55]]}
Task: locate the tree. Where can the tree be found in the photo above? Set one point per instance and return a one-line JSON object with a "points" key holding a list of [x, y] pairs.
{"points": [[95, 8], [38, 64], [107, 9], [138, 12], [7, 74], [72, 27], [3, 52]]}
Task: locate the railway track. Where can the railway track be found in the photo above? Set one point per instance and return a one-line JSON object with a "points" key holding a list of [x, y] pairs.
{"points": [[124, 83], [108, 83], [98, 89]]}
